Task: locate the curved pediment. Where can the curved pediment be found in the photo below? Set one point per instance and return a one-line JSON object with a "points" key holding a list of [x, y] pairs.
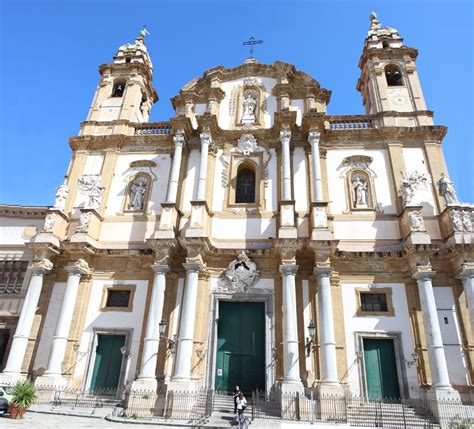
{"points": [[251, 93]]}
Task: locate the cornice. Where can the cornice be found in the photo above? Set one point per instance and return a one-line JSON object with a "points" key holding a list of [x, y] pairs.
{"points": [[26, 212], [387, 53]]}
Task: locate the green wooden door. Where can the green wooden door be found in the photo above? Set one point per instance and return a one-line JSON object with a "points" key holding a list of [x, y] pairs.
{"points": [[108, 362], [381, 369], [240, 359]]}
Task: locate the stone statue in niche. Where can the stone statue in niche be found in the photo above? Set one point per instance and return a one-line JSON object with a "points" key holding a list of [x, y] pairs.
{"points": [[138, 190], [249, 106], [241, 274], [360, 191], [446, 190], [62, 192]]}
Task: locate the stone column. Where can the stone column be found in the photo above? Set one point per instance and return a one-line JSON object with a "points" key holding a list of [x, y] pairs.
{"points": [[182, 374], [179, 143], [440, 384], [467, 277], [327, 339], [291, 365], [12, 371], [53, 373], [313, 139], [285, 137], [205, 142], [147, 377]]}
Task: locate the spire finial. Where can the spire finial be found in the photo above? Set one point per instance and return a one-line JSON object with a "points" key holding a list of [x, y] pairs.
{"points": [[143, 33]]}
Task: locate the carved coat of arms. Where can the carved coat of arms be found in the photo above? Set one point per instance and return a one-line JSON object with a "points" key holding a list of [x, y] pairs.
{"points": [[241, 275]]}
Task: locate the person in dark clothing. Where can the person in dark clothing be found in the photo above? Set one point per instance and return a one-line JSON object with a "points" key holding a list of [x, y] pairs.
{"points": [[235, 394]]}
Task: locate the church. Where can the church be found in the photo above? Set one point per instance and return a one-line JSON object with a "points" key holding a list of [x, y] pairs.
{"points": [[252, 240]]}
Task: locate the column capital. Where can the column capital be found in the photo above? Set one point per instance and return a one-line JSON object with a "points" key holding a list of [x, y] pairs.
{"points": [[78, 268], [288, 269], [285, 136], [465, 271], [194, 266], [41, 267], [206, 137], [423, 273], [314, 137], [160, 268], [179, 139], [323, 270]]}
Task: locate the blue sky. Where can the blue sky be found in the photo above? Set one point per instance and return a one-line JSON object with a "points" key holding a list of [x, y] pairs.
{"points": [[50, 52]]}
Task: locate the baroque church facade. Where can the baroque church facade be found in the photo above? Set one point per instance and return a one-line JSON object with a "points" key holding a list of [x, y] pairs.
{"points": [[252, 240]]}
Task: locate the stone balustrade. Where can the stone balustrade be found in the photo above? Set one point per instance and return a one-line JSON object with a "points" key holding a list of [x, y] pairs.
{"points": [[153, 128]]}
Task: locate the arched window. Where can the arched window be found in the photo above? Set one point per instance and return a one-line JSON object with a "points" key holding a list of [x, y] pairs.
{"points": [[119, 88], [393, 75], [245, 189]]}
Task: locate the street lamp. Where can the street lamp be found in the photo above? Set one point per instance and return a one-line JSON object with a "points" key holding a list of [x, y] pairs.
{"points": [[310, 339], [171, 343]]}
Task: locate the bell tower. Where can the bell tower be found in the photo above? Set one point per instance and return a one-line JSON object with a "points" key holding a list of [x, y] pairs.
{"points": [[125, 91], [389, 81]]}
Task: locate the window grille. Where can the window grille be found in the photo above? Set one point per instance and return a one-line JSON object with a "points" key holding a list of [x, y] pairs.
{"points": [[376, 302], [12, 274], [245, 192], [118, 298]]}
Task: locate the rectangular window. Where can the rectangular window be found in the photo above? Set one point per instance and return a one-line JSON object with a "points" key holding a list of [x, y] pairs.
{"points": [[373, 302], [12, 274], [118, 298]]}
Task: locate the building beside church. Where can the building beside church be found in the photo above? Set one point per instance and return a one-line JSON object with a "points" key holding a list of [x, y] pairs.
{"points": [[253, 239]]}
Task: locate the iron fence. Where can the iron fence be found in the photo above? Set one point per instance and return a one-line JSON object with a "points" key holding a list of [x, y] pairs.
{"points": [[173, 405], [358, 411], [77, 398]]}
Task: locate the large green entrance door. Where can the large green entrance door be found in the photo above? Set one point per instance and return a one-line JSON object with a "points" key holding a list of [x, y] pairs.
{"points": [[381, 369], [240, 356], [108, 362]]}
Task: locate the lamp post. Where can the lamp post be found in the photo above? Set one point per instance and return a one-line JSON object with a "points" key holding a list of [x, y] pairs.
{"points": [[310, 339], [171, 343]]}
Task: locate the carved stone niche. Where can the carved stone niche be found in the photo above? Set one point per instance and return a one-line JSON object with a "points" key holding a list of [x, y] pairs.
{"points": [[413, 227], [240, 276], [456, 221]]}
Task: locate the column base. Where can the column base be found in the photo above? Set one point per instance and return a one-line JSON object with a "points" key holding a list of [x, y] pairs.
{"points": [[443, 394], [11, 377], [330, 389], [141, 384], [292, 387], [185, 385], [51, 380]]}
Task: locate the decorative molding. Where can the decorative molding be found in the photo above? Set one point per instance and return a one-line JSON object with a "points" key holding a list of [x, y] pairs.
{"points": [[91, 186]]}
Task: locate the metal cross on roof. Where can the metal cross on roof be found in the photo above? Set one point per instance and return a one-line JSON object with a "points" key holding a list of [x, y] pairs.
{"points": [[251, 42]]}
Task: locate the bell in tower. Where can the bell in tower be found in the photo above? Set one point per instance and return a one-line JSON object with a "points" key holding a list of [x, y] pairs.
{"points": [[389, 81], [125, 91]]}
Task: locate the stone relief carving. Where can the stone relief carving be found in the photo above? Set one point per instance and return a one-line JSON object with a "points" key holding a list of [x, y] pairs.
{"points": [[467, 220], [49, 222], [247, 144], [241, 275], [411, 186], [62, 192], [456, 220], [416, 220], [266, 171], [137, 193], [225, 170], [42, 266], [446, 190], [91, 186], [84, 222]]}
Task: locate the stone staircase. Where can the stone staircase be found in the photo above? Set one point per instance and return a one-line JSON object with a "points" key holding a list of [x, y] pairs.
{"points": [[223, 411]]}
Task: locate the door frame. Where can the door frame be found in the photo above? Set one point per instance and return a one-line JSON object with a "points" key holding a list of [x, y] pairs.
{"points": [[399, 360], [267, 298], [125, 365]]}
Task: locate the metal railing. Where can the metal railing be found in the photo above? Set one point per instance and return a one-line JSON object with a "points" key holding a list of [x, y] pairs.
{"points": [[173, 405], [76, 398], [358, 411], [153, 128]]}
